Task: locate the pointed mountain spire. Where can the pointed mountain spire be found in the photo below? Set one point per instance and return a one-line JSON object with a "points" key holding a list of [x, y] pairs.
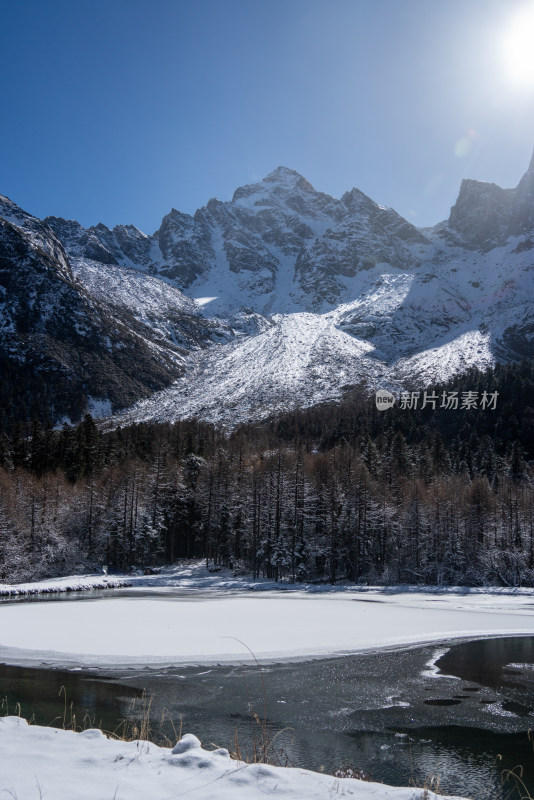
{"points": [[531, 165], [288, 178], [283, 174]]}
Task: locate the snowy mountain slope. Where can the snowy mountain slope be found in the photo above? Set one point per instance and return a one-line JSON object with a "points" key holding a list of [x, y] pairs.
{"points": [[283, 296], [64, 349], [402, 312], [163, 310], [301, 359]]}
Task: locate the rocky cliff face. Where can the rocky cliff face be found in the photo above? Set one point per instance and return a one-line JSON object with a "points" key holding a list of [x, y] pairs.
{"points": [[486, 216]]}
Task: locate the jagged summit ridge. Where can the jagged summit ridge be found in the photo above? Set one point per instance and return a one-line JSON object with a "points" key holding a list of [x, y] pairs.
{"points": [[280, 180], [278, 246]]}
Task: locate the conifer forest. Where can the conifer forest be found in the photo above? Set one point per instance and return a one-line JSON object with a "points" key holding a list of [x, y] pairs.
{"points": [[335, 492]]}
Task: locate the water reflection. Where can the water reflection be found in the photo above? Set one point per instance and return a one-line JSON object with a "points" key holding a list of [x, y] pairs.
{"points": [[455, 760], [504, 663], [52, 697]]}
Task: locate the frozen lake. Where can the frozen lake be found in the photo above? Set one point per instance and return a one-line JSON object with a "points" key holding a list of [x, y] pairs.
{"points": [[411, 696]]}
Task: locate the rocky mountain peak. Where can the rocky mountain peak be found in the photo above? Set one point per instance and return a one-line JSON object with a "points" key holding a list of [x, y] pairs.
{"points": [[481, 212], [281, 181], [485, 215], [174, 217], [289, 179], [11, 212], [356, 201]]}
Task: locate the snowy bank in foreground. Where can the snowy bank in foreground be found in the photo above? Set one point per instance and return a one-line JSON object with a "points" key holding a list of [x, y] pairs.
{"points": [[37, 762], [71, 583]]}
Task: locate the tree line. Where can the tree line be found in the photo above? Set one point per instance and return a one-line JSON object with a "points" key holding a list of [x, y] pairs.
{"points": [[336, 492]]}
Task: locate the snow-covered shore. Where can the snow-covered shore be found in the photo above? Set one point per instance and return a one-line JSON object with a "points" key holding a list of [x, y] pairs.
{"points": [[195, 575], [47, 763], [70, 583]]}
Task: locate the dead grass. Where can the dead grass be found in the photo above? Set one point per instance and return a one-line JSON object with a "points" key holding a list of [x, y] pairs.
{"points": [[263, 745], [514, 778], [136, 725]]}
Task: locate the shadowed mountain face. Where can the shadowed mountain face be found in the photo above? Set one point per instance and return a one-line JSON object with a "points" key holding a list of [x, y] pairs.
{"points": [[68, 350], [284, 295], [486, 216]]}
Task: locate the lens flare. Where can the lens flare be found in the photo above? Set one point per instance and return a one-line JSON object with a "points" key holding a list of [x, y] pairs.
{"points": [[463, 146]]}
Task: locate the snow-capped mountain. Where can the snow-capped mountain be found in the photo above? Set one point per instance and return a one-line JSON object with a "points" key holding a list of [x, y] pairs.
{"points": [[279, 246], [283, 296]]}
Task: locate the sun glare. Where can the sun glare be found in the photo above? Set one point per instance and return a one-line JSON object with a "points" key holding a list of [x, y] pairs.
{"points": [[518, 47]]}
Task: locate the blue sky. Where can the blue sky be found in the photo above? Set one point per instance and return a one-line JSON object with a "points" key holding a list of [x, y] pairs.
{"points": [[117, 111]]}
